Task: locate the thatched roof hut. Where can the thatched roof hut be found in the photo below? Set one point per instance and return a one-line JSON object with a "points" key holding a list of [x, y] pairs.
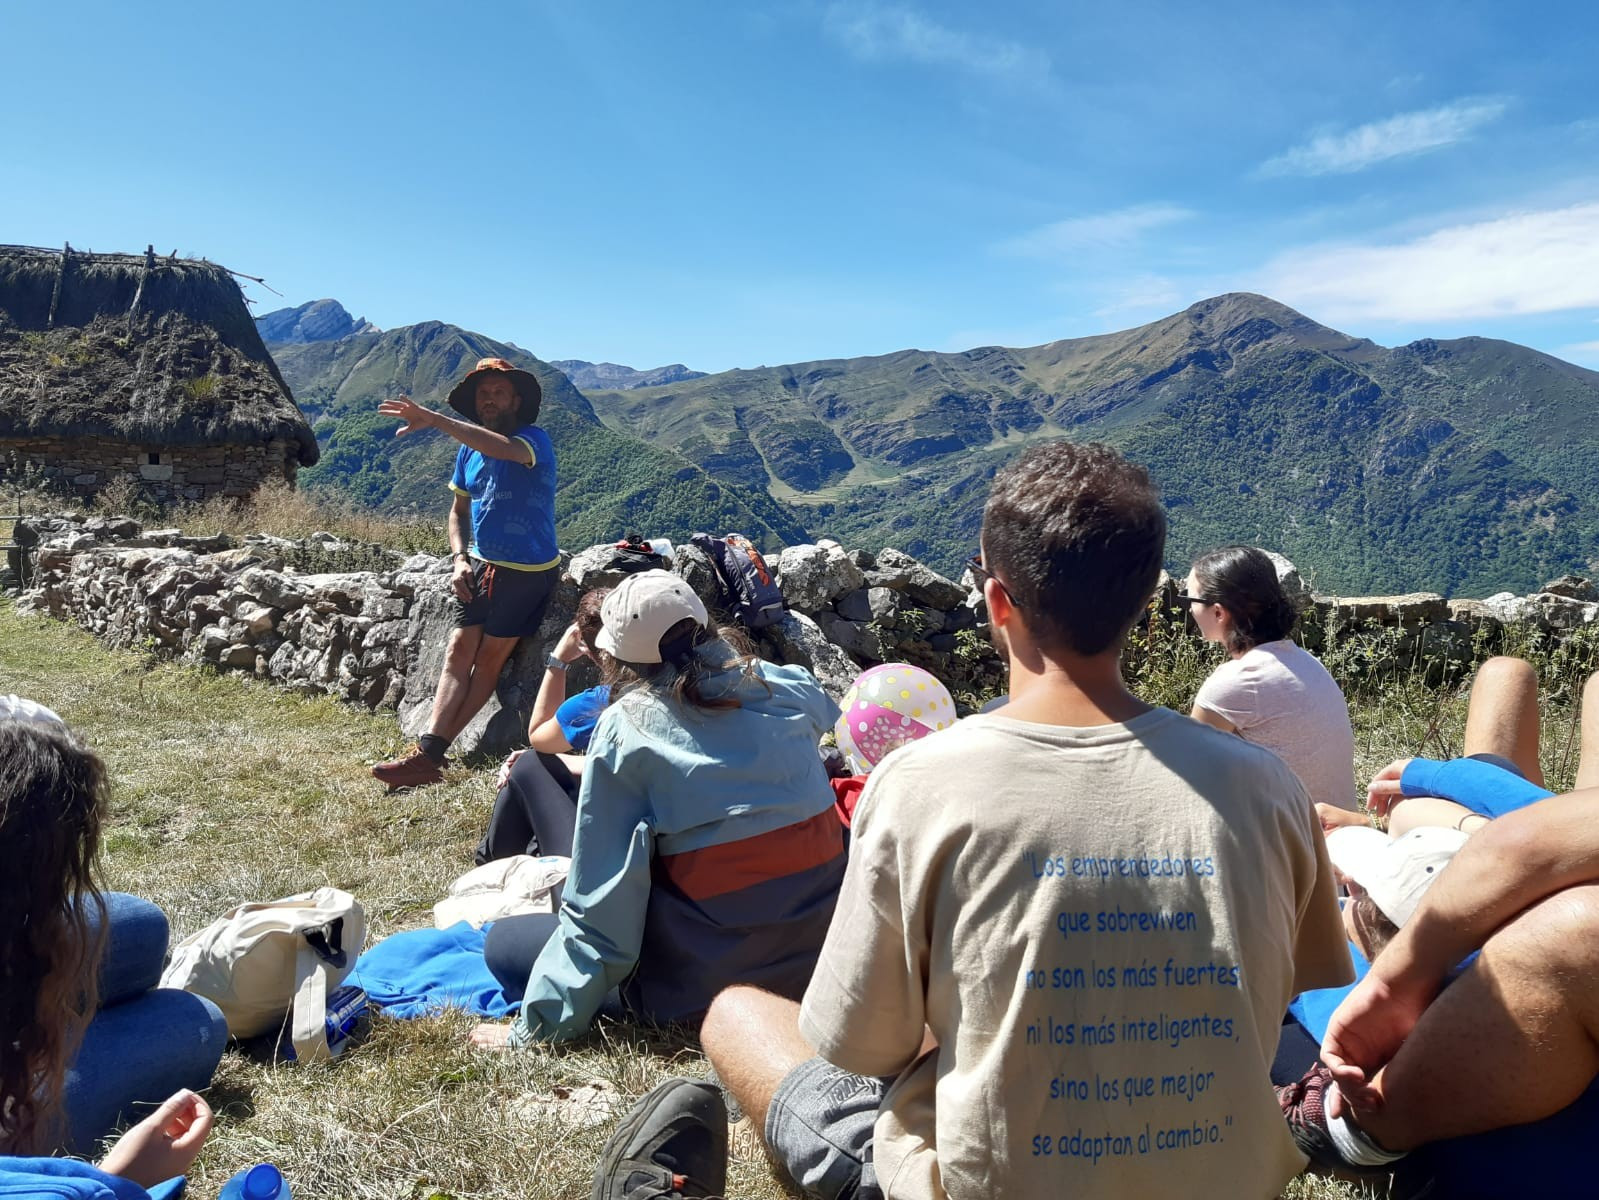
{"points": [[144, 357]]}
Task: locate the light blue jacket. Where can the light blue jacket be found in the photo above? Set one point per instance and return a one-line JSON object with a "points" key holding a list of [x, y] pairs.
{"points": [[707, 853]]}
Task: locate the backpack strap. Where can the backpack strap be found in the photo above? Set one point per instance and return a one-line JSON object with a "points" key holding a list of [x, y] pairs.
{"points": [[309, 1015]]}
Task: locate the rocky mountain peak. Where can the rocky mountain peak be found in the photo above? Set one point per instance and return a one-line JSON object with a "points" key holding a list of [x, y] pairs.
{"points": [[315, 321]]}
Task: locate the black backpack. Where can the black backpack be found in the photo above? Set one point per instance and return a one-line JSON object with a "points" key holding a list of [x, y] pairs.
{"points": [[752, 591], [632, 554]]}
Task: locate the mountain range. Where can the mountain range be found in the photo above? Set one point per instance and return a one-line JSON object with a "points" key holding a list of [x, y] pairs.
{"points": [[1464, 466], [610, 376], [608, 483]]}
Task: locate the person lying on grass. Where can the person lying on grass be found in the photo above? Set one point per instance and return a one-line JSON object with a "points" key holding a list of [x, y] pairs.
{"points": [[1499, 771]]}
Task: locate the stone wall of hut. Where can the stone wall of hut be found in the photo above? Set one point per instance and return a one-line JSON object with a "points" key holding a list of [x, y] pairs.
{"points": [[164, 473]]}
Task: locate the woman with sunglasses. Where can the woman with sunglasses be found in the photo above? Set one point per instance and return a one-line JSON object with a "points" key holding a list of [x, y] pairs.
{"points": [[1270, 691]]}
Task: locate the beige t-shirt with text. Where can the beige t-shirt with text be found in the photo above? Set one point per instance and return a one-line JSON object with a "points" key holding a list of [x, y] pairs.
{"points": [[1102, 927]]}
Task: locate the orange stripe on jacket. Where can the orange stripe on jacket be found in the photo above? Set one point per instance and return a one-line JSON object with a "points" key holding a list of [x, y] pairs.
{"points": [[733, 866]]}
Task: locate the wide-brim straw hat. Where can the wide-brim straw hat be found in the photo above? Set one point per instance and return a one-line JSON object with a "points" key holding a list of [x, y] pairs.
{"points": [[463, 396]]}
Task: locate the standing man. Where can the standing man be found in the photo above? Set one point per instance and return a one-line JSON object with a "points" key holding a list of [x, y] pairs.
{"points": [[502, 541], [1068, 928]]}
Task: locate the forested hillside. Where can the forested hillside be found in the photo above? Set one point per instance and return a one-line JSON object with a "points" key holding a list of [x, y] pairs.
{"points": [[609, 483]]}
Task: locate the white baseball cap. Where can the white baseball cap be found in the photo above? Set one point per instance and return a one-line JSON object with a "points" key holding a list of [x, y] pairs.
{"points": [[1396, 871], [18, 708], [640, 610]]}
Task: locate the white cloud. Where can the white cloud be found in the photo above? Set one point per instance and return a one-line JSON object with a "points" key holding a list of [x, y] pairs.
{"points": [[1406, 133], [877, 32], [1526, 262], [1582, 353], [1101, 231], [1142, 293]]}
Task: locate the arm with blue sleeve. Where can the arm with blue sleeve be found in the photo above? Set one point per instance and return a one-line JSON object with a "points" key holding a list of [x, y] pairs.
{"points": [[1471, 783], [601, 924]]}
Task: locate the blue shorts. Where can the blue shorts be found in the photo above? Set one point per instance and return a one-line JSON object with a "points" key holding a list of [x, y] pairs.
{"points": [[505, 601]]}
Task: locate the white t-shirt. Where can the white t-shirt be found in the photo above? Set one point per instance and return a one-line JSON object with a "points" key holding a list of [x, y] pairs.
{"points": [[1279, 696], [1102, 927]]}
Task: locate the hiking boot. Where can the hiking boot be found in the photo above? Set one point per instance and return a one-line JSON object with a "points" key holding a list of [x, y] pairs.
{"points": [[1304, 1107], [416, 769], [671, 1146]]}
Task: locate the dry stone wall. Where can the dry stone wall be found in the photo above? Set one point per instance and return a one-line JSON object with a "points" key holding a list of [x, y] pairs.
{"points": [[162, 473], [376, 637]]}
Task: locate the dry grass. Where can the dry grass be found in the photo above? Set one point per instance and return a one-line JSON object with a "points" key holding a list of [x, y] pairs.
{"points": [[227, 790]]}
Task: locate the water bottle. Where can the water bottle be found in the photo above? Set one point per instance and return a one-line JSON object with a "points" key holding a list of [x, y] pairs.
{"points": [[346, 1006], [260, 1182]]}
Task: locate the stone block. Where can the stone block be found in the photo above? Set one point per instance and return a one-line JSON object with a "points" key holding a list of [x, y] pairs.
{"points": [[898, 570], [1408, 611], [798, 639], [811, 576]]}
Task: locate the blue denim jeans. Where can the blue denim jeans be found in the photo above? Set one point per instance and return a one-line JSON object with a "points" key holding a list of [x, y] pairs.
{"points": [[144, 1042]]}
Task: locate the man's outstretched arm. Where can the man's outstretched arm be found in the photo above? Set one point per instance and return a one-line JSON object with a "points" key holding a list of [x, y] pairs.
{"points": [[1515, 861], [485, 441]]}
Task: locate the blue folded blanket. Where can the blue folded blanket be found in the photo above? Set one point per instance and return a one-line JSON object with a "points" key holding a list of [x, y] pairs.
{"points": [[423, 971]]}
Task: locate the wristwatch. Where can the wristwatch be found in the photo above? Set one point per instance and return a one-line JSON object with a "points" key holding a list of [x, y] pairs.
{"points": [[555, 664]]}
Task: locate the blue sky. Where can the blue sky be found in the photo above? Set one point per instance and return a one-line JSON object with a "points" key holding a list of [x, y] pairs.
{"points": [[742, 184]]}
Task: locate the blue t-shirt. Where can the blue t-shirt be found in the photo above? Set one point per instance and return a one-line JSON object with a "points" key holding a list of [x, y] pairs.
{"points": [[1479, 784], [513, 506], [578, 715]]}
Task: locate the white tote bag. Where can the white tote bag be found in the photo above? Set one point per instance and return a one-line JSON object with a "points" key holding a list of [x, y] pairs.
{"points": [[506, 887], [264, 961]]}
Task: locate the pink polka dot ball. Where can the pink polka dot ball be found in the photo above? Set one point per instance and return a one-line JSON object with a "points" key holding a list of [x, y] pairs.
{"points": [[888, 707]]}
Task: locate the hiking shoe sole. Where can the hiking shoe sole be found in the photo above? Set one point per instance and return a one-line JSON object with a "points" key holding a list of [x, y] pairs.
{"points": [[672, 1145]]}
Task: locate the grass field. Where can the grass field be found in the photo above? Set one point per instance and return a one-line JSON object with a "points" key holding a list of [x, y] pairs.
{"points": [[226, 790]]}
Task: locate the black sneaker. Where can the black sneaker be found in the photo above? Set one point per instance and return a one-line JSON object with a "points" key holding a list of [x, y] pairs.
{"points": [[672, 1146], [1304, 1107]]}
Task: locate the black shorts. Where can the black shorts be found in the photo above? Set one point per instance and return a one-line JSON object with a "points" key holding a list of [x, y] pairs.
{"points": [[508, 603]]}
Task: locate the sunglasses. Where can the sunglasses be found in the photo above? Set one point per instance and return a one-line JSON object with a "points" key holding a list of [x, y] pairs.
{"points": [[1185, 598], [974, 564]]}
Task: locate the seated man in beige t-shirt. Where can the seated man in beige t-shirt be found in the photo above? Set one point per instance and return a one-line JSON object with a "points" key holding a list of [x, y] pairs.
{"points": [[1068, 930]]}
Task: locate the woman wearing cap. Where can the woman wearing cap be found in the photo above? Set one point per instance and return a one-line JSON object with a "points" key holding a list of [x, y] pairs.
{"points": [[707, 852], [1270, 691]]}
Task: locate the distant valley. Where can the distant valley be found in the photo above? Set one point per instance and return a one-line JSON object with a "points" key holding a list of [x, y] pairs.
{"points": [[1463, 466]]}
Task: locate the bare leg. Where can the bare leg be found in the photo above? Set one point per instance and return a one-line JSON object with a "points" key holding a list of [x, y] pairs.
{"points": [[1588, 756], [753, 1041], [1513, 1040], [486, 667], [1502, 717], [456, 676]]}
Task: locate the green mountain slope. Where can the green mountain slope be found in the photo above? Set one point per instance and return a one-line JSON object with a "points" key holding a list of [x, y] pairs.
{"points": [[1465, 467], [609, 482]]}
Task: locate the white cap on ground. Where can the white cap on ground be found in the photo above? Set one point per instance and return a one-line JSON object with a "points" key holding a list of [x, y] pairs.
{"points": [[1396, 871], [640, 610], [17, 708]]}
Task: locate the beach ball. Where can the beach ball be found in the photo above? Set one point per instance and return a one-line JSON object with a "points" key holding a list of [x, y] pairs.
{"points": [[887, 707]]}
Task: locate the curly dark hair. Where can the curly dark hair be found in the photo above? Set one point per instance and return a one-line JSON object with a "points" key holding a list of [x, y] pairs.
{"points": [[587, 618], [1244, 581], [1076, 533], [52, 919]]}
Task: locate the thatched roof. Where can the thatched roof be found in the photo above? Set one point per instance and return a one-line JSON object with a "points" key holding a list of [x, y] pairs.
{"points": [[160, 351]]}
